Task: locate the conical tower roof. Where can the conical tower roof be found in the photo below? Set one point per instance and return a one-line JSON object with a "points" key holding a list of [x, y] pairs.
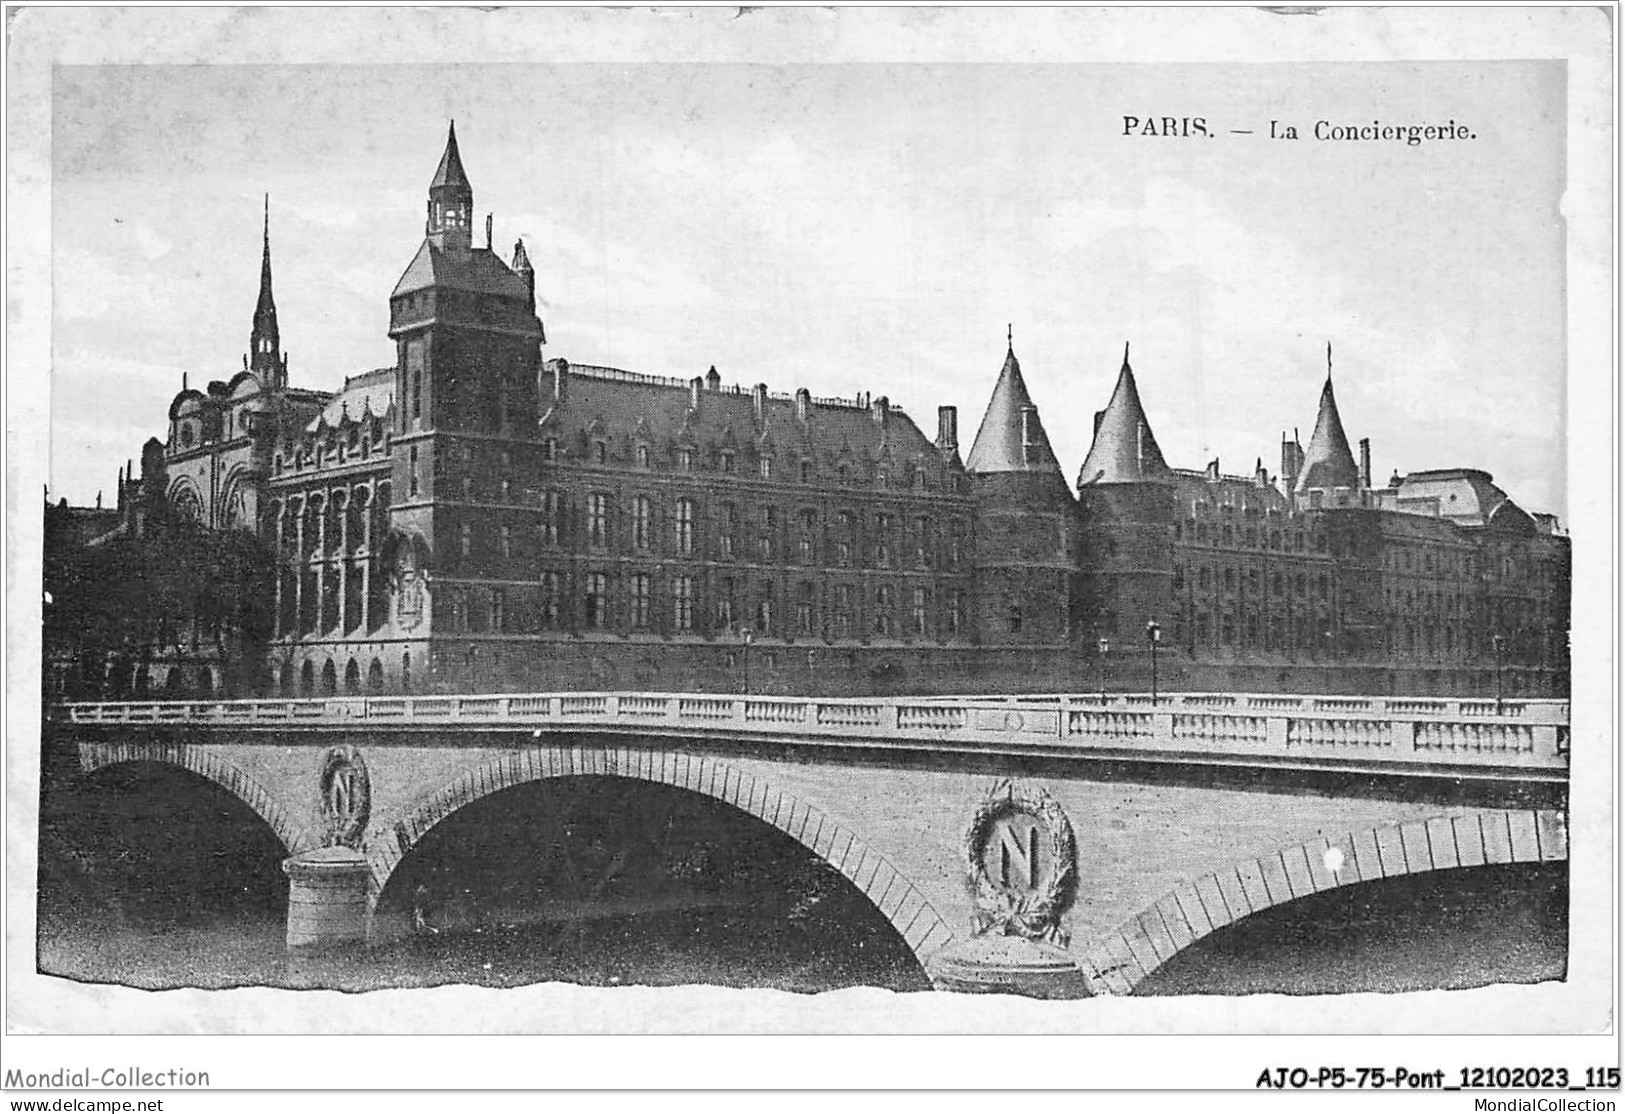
{"points": [[1124, 450], [1328, 462], [1011, 438], [450, 170]]}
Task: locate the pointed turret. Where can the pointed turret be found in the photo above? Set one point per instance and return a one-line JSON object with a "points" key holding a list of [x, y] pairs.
{"points": [[451, 200], [522, 268], [265, 342], [1011, 438], [1328, 462], [1124, 450]]}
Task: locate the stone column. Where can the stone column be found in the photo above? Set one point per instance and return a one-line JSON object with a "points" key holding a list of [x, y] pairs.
{"points": [[299, 571], [327, 897], [281, 556], [344, 565]]}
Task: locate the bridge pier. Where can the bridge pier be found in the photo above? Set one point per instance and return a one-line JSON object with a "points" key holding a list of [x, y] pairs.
{"points": [[327, 898], [991, 964]]}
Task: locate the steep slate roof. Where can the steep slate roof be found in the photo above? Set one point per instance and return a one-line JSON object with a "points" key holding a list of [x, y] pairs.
{"points": [[1124, 449], [1466, 496], [478, 270], [623, 405], [1328, 462], [999, 446], [372, 391]]}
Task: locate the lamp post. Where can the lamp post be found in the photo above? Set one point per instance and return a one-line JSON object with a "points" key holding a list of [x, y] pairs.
{"points": [[1153, 635], [1499, 645], [745, 637], [1105, 648]]}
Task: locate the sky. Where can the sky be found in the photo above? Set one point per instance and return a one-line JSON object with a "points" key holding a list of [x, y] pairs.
{"points": [[852, 228]]}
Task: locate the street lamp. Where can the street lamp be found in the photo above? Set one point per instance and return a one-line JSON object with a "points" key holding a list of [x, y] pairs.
{"points": [[1153, 635], [1499, 644], [1105, 648], [745, 637]]}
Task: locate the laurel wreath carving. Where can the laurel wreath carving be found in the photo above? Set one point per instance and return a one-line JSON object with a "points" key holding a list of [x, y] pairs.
{"points": [[1035, 916], [345, 830]]}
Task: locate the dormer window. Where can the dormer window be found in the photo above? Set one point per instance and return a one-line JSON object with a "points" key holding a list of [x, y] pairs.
{"points": [[685, 459], [764, 467], [600, 452], [550, 449], [641, 455], [806, 471], [725, 462]]}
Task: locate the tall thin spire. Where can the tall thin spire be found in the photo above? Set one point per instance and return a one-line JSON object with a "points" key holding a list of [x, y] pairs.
{"points": [[451, 200], [265, 342]]}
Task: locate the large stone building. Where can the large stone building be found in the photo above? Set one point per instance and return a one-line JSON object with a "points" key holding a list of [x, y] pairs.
{"points": [[479, 517]]}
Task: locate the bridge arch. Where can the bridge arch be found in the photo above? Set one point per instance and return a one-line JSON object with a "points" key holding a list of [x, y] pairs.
{"points": [[898, 899], [1121, 959], [205, 763]]}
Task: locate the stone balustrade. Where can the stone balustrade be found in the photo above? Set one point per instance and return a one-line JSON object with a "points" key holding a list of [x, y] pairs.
{"points": [[1402, 735]]}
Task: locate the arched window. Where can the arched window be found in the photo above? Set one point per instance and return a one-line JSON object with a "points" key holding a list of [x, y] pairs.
{"points": [[307, 679], [330, 679], [352, 676], [406, 671], [375, 676]]}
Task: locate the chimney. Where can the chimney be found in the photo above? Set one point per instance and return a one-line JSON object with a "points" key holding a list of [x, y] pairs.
{"points": [[695, 386], [1213, 469], [1291, 460], [758, 398], [561, 378], [947, 428], [713, 381], [803, 404], [488, 217], [1261, 476], [1365, 462], [98, 500], [880, 409]]}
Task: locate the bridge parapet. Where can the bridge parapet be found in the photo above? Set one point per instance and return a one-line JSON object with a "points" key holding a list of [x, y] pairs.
{"points": [[1404, 735]]}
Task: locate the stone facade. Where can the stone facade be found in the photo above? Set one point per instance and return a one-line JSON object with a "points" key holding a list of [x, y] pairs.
{"points": [[480, 517]]}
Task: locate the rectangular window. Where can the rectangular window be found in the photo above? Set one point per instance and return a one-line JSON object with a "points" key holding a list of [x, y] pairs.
{"points": [[597, 520], [682, 603], [552, 511], [922, 543], [883, 541], [640, 600], [804, 608], [641, 516], [917, 610], [597, 600], [499, 604], [507, 541], [725, 605], [765, 467], [843, 611], [412, 471], [883, 606], [809, 530], [685, 526], [956, 612], [465, 534], [730, 528], [550, 599], [764, 609]]}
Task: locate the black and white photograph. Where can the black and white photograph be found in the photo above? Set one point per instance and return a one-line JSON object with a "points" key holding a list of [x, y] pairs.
{"points": [[813, 521]]}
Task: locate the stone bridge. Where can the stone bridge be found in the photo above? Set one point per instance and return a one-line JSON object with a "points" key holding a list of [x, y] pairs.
{"points": [[1185, 813]]}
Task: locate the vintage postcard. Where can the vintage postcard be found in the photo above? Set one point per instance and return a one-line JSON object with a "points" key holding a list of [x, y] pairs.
{"points": [[801, 521]]}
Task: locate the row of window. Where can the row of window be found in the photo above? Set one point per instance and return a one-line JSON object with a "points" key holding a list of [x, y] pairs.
{"points": [[887, 611], [870, 539]]}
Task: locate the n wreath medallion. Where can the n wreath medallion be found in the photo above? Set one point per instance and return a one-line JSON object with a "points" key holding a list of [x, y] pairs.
{"points": [[1021, 864]]}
